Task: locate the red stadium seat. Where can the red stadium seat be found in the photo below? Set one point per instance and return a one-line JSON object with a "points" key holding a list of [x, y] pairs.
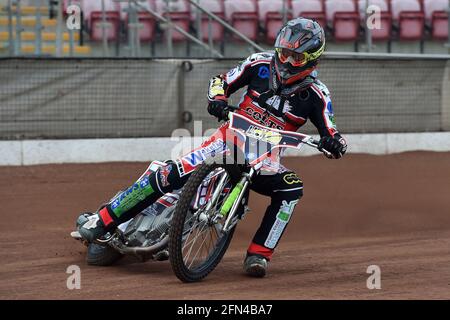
{"points": [[96, 29], [411, 25], [271, 17], [410, 19], [439, 23], [243, 15], [273, 24], [345, 19], [346, 26], [384, 32], [182, 20], [92, 11], [147, 32], [436, 16], [179, 12], [312, 9], [89, 6], [217, 30]]}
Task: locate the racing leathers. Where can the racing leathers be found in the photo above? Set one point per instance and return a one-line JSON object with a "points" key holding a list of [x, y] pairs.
{"points": [[280, 108]]}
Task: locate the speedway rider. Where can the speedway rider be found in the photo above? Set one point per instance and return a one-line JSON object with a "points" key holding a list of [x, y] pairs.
{"points": [[282, 92]]}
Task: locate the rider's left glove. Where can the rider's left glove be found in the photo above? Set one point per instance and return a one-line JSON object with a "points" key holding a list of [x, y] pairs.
{"points": [[336, 146], [219, 109]]}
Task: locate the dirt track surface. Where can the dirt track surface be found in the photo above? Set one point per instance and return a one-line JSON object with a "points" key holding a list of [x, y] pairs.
{"points": [[391, 211]]}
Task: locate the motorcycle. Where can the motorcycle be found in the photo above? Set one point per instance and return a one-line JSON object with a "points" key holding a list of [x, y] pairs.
{"points": [[193, 226]]}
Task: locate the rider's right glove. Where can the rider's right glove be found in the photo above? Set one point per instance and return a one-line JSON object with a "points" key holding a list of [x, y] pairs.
{"points": [[219, 109]]}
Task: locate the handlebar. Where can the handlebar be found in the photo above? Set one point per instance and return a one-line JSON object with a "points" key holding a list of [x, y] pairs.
{"points": [[313, 143]]}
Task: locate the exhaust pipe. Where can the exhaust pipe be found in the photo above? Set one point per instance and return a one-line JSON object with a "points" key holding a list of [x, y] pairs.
{"points": [[140, 252]]}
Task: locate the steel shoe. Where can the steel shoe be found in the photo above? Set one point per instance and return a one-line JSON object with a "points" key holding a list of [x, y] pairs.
{"points": [[90, 226]]}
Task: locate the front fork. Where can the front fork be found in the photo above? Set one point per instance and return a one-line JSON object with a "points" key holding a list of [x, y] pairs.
{"points": [[231, 204]]}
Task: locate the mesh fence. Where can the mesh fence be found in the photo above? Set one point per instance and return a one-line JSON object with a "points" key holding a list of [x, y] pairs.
{"points": [[98, 98]]}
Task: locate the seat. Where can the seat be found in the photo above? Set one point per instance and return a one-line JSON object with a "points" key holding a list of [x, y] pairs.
{"points": [[311, 9], [436, 16], [344, 18], [92, 11], [147, 32], [409, 18], [384, 32], [217, 30], [271, 17], [243, 16], [179, 13], [439, 23], [89, 6], [96, 29]]}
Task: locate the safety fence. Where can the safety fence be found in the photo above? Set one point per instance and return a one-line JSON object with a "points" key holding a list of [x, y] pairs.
{"points": [[124, 98]]}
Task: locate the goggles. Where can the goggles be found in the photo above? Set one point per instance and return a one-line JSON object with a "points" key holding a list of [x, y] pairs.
{"points": [[294, 58], [298, 59]]}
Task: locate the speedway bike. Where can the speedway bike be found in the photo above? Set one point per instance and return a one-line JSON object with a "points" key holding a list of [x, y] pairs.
{"points": [[193, 226]]}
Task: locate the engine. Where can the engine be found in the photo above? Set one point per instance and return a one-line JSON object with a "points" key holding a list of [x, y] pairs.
{"points": [[152, 224]]}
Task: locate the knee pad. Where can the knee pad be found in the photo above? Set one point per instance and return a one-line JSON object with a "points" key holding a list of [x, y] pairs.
{"points": [[168, 177], [291, 187]]}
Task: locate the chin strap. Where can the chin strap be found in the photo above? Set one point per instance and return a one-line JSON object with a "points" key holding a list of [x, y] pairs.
{"points": [[287, 91]]}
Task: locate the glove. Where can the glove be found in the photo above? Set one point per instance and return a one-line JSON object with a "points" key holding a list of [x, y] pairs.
{"points": [[335, 145], [219, 109]]}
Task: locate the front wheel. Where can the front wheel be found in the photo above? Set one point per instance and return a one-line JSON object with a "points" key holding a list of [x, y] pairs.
{"points": [[196, 241]]}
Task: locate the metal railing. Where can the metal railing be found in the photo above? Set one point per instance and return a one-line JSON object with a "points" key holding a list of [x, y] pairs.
{"points": [[226, 25]]}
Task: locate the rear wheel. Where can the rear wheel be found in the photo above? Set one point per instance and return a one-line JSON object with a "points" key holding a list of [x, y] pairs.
{"points": [[196, 242]]}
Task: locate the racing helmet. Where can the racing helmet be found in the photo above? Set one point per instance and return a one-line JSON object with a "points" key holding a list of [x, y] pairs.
{"points": [[298, 47]]}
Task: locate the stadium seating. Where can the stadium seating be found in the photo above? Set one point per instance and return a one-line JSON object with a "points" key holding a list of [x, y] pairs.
{"points": [[343, 15], [217, 30], [29, 34], [313, 9], [436, 16], [259, 20], [243, 16], [409, 19], [271, 17]]}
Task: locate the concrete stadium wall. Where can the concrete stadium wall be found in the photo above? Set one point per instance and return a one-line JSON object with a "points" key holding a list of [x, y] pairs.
{"points": [[124, 98], [33, 152]]}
